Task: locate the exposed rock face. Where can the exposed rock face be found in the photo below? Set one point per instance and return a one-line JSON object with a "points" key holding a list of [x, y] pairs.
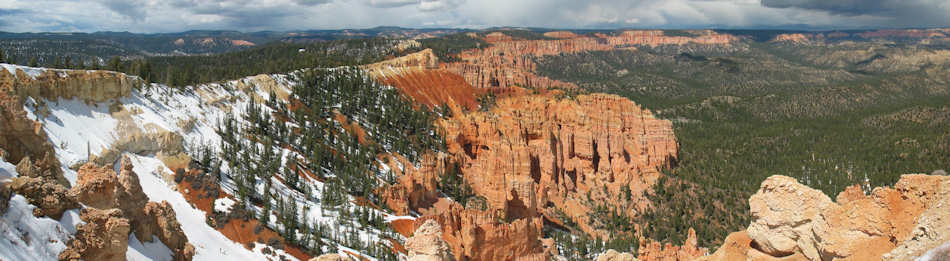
{"points": [[509, 62], [533, 155], [613, 255], [329, 257], [161, 219], [792, 38], [22, 138], [424, 59], [417, 187], [93, 86], [100, 187], [96, 187], [479, 235], [50, 199], [688, 251], [104, 236], [433, 87], [791, 220], [426, 243], [47, 168], [5, 194]]}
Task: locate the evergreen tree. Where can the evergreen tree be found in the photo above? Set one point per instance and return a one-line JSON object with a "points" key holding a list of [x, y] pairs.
{"points": [[33, 62], [115, 64]]}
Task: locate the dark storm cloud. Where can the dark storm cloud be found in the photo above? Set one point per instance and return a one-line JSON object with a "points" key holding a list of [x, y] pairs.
{"points": [[897, 12]]}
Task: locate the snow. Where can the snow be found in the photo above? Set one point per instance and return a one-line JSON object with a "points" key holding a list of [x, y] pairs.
{"points": [[7, 170], [209, 243], [223, 204], [154, 250], [30, 71], [390, 219], [76, 129], [25, 237]]}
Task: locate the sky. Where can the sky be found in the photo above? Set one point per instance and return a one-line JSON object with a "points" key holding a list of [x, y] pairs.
{"points": [[157, 16]]}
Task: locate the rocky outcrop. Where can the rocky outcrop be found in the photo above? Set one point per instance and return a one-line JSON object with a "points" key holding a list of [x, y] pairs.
{"points": [[92, 86], [426, 243], [46, 168], [330, 257], [483, 235], [791, 221], [424, 59], [613, 255], [417, 187], [163, 223], [5, 194], [533, 155], [690, 250], [104, 236], [22, 138], [100, 187], [793, 38], [50, 199], [508, 62]]}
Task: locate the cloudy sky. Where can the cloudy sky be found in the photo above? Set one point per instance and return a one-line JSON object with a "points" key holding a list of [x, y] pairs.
{"points": [[256, 15]]}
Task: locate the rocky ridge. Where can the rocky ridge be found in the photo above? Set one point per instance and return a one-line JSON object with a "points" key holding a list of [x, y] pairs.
{"points": [[794, 222], [509, 62]]}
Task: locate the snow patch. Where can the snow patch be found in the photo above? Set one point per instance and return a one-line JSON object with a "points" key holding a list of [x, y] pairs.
{"points": [[30, 71], [155, 250], [25, 237]]}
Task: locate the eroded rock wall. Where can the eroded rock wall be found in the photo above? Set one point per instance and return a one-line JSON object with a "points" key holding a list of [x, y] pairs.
{"points": [[92, 86], [534, 155]]}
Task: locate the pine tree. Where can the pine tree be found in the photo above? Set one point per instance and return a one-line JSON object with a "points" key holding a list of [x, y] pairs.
{"points": [[33, 62], [3, 58], [115, 64]]}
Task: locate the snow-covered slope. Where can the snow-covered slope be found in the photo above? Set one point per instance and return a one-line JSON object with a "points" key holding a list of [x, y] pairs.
{"points": [[82, 131]]}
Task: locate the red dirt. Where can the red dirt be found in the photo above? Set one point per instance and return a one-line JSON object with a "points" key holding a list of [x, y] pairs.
{"points": [[242, 232], [237, 230], [404, 227], [353, 128], [435, 87]]}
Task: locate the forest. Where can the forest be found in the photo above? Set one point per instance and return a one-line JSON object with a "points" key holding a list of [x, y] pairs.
{"points": [[744, 113]]}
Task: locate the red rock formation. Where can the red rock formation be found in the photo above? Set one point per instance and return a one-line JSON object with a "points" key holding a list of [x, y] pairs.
{"points": [[655, 251], [534, 154], [656, 37], [481, 235], [417, 187], [509, 62], [793, 38], [561, 34]]}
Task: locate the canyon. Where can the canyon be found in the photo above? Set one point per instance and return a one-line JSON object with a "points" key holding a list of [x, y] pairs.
{"points": [[538, 156]]}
